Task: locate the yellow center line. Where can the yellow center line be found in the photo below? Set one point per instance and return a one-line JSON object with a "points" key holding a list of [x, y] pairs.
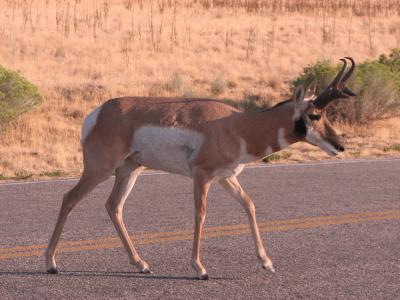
{"points": [[211, 232]]}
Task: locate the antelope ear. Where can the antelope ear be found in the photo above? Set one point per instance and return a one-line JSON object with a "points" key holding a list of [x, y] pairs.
{"points": [[311, 91], [298, 100], [298, 95]]}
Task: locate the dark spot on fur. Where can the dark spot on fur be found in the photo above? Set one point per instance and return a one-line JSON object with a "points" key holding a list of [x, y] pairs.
{"points": [[300, 128]]}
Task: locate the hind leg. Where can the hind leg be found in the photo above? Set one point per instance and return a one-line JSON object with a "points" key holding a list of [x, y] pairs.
{"points": [[91, 177], [125, 179]]}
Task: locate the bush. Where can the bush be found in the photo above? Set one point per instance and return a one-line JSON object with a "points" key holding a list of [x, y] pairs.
{"points": [[393, 60], [376, 83], [17, 95], [218, 86]]}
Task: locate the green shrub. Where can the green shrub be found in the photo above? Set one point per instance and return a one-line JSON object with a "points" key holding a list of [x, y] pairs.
{"points": [[277, 156], [376, 83], [55, 173], [17, 95]]}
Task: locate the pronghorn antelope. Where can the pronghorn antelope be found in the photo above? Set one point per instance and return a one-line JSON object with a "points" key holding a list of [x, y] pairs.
{"points": [[199, 138]]}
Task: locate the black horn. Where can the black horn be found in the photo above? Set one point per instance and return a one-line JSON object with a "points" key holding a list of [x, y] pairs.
{"points": [[336, 82], [346, 77], [337, 88]]}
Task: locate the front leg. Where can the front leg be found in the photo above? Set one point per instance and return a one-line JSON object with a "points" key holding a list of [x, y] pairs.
{"points": [[233, 187], [201, 185]]}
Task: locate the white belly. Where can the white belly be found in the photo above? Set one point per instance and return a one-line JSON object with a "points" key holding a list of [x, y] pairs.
{"points": [[167, 148], [236, 167], [232, 170]]}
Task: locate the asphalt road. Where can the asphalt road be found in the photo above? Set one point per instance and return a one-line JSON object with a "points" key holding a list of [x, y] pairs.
{"points": [[332, 230]]}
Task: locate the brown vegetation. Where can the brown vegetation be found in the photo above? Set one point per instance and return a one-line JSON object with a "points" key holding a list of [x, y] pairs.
{"points": [[81, 52]]}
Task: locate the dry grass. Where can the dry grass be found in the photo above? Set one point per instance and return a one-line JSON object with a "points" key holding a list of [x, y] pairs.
{"points": [[82, 52]]}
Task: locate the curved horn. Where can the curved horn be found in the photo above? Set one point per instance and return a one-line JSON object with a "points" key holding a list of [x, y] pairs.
{"points": [[349, 73], [336, 82], [346, 77], [336, 89]]}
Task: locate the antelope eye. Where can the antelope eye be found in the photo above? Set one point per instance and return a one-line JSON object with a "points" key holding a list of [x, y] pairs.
{"points": [[314, 117]]}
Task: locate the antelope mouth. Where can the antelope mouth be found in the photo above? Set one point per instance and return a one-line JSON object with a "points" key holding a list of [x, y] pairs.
{"points": [[332, 152], [336, 149], [326, 146]]}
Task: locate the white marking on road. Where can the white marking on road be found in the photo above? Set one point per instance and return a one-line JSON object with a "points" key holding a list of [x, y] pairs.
{"points": [[251, 167]]}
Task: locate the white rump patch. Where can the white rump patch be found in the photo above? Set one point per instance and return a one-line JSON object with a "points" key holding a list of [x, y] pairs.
{"points": [[282, 142], [169, 149], [89, 123]]}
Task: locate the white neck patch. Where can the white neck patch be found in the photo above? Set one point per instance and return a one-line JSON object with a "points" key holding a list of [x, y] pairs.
{"points": [[282, 142]]}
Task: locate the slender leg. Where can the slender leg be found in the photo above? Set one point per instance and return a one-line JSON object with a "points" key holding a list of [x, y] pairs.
{"points": [[201, 186], [125, 179], [88, 181], [232, 186]]}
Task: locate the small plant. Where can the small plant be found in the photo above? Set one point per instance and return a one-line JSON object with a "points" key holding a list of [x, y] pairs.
{"points": [[55, 173], [17, 95], [355, 154], [218, 86], [277, 156], [392, 60], [23, 175], [176, 82], [188, 92], [394, 147], [227, 39], [251, 41], [272, 157], [157, 89]]}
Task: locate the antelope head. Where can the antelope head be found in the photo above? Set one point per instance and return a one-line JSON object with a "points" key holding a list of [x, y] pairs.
{"points": [[311, 123]]}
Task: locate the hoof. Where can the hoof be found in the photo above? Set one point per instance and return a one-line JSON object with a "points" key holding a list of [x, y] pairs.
{"points": [[203, 277], [146, 271], [53, 271], [269, 267]]}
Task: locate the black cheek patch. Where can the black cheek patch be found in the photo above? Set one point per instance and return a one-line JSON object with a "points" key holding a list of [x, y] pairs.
{"points": [[300, 128]]}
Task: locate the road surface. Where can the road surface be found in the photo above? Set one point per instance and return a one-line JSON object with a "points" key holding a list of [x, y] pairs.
{"points": [[332, 230]]}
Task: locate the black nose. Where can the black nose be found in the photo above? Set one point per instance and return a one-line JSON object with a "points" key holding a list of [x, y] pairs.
{"points": [[340, 148]]}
